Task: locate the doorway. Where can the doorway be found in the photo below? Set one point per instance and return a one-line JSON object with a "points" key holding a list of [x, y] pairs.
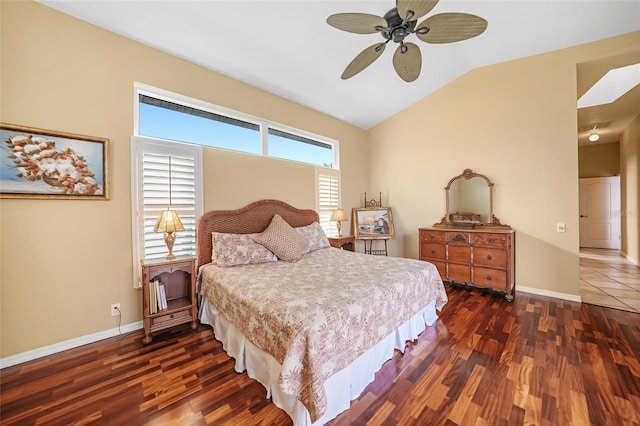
{"points": [[599, 200], [606, 277]]}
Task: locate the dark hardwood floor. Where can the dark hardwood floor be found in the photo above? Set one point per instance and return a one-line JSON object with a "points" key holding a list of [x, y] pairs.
{"points": [[536, 361]]}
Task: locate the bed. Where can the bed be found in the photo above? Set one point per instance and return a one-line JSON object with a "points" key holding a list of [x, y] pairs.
{"points": [[309, 322]]}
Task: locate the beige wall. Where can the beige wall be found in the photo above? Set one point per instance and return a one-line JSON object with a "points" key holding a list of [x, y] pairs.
{"points": [[599, 160], [61, 271], [514, 122], [629, 190]]}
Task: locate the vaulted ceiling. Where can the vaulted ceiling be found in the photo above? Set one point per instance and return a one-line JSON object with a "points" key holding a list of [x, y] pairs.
{"points": [[287, 48]]}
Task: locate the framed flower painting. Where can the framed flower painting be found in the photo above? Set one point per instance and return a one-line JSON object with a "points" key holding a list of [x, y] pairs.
{"points": [[37, 163]]}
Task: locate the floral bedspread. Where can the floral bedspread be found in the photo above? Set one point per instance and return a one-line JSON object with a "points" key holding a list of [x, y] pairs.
{"points": [[317, 315]]}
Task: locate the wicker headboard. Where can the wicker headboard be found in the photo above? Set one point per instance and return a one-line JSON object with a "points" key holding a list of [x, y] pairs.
{"points": [[248, 220]]}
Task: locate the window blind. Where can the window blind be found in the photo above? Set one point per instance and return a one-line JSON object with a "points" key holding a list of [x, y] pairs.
{"points": [[168, 187], [156, 187], [328, 198]]}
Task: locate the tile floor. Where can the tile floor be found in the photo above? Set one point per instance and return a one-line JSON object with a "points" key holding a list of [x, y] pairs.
{"points": [[608, 279]]}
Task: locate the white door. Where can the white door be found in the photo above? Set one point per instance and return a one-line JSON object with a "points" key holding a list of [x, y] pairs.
{"points": [[600, 212]]}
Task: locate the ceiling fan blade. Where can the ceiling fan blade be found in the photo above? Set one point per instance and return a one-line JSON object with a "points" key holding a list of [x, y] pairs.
{"points": [[452, 27], [408, 62], [359, 23], [418, 7], [363, 60]]}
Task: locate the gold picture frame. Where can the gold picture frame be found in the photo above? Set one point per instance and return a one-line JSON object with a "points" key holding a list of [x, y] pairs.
{"points": [[47, 164], [373, 222]]}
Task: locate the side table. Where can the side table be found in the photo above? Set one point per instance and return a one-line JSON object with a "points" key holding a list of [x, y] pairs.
{"points": [[345, 242], [178, 276]]}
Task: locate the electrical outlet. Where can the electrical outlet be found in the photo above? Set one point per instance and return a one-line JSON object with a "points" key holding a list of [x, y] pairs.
{"points": [[561, 227], [115, 309]]}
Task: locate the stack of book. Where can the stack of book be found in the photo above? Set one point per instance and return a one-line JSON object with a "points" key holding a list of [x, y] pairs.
{"points": [[157, 297]]}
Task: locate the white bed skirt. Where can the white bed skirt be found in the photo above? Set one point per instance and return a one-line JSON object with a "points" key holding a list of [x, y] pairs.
{"points": [[341, 388]]}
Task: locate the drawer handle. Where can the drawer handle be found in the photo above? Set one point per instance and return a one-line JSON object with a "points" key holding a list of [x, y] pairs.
{"points": [[458, 238], [171, 315], [490, 239], [433, 251], [489, 257], [432, 236], [489, 277]]}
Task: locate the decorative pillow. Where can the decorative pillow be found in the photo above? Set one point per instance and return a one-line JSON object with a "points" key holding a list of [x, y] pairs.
{"points": [[238, 249], [315, 236], [283, 240]]}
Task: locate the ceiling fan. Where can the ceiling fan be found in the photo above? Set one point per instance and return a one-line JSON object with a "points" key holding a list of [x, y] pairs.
{"points": [[396, 25]]}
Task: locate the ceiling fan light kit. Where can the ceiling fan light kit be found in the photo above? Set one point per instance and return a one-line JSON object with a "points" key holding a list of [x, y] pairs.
{"points": [[399, 23]]}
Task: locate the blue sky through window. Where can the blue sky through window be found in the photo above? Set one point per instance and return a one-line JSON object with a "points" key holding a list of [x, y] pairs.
{"points": [[164, 123]]}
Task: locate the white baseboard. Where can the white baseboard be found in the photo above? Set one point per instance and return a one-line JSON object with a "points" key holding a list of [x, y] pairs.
{"points": [[630, 259], [67, 344], [549, 293]]}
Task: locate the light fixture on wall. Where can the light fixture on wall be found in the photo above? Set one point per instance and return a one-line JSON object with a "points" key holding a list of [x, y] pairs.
{"points": [[169, 223], [594, 136], [338, 216]]}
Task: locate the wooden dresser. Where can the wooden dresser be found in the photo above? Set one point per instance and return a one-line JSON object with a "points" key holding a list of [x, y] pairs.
{"points": [[477, 257]]}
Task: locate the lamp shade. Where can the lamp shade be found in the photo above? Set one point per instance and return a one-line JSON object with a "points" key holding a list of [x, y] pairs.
{"points": [[338, 215], [169, 221]]}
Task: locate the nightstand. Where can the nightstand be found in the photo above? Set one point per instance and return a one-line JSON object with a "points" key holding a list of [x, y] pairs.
{"points": [[178, 276], [346, 242]]}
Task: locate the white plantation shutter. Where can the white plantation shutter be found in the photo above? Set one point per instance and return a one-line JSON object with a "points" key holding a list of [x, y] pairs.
{"points": [[156, 180], [151, 196], [327, 198]]}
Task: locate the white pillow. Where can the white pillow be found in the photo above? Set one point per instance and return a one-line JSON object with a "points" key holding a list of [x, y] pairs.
{"points": [[315, 236], [238, 249]]}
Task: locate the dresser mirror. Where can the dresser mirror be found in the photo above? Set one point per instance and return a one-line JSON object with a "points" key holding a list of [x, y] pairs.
{"points": [[469, 201]]}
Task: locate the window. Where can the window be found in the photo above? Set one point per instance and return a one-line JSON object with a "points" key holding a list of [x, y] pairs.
{"points": [[169, 116], [164, 174], [327, 198], [169, 132], [169, 120], [298, 148]]}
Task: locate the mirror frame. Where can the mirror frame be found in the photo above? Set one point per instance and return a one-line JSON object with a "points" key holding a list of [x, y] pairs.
{"points": [[468, 174]]}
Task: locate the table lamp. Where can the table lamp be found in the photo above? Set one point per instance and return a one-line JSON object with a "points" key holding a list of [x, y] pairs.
{"points": [[169, 223], [338, 216]]}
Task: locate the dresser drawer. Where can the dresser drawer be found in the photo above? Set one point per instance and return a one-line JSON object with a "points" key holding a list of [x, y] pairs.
{"points": [[487, 277], [458, 238], [181, 316], [489, 257], [432, 236], [460, 273], [491, 240], [441, 265], [461, 254], [432, 251]]}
